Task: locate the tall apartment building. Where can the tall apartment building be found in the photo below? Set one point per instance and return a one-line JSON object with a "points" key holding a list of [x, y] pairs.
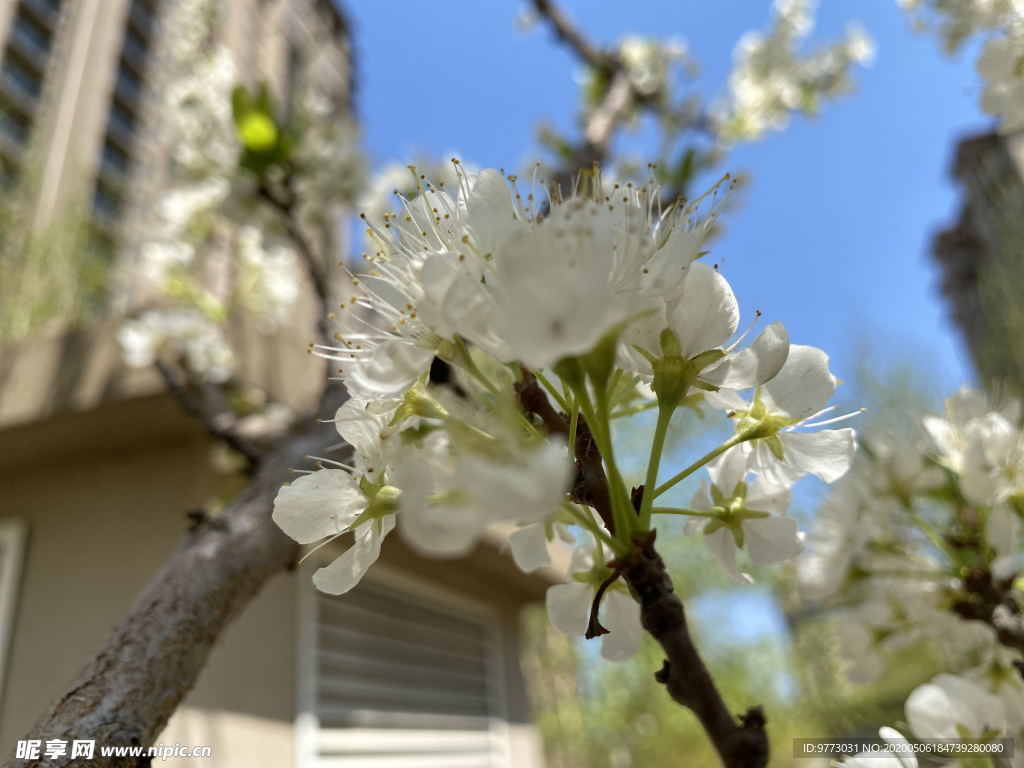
{"points": [[981, 258], [80, 89]]}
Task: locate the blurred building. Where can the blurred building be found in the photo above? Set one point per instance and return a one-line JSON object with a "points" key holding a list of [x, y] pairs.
{"points": [[418, 667], [80, 83], [981, 258]]}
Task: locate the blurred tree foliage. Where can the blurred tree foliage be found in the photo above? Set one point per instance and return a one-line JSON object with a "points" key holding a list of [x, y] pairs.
{"points": [[56, 273]]}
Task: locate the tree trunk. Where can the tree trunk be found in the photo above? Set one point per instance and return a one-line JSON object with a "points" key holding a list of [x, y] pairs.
{"points": [[126, 694]]}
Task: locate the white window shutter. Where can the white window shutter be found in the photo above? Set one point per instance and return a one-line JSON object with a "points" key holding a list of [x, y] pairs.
{"points": [[402, 681]]}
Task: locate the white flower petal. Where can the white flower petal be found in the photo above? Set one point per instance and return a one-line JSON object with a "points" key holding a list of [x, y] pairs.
{"points": [[707, 313], [318, 505], [765, 495], [490, 210], [437, 529], [388, 371], [722, 547], [666, 270], [756, 364], [569, 607], [803, 386], [529, 547], [727, 471], [826, 453], [771, 540], [941, 708], [348, 569], [621, 617]]}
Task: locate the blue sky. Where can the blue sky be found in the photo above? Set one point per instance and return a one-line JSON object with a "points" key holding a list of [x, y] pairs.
{"points": [[833, 232]]}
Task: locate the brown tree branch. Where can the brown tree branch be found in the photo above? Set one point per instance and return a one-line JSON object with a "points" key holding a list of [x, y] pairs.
{"points": [[286, 203], [567, 33], [742, 742], [219, 426], [126, 694], [590, 486], [993, 601]]}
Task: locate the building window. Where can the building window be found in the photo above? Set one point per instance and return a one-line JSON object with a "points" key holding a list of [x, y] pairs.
{"points": [[115, 157], [105, 200], [394, 677], [12, 552], [135, 47], [22, 78], [35, 36], [122, 119], [142, 18], [14, 126], [130, 82], [53, 6]]}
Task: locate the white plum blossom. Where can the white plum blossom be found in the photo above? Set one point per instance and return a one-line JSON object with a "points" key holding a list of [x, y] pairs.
{"points": [[742, 516], [919, 547], [903, 471], [188, 332], [984, 447], [267, 276], [323, 505], [477, 290], [1002, 66], [216, 246], [649, 62], [1001, 24], [958, 20], [484, 266], [703, 313], [569, 604], [771, 79], [898, 614], [954, 707], [450, 496], [785, 404]]}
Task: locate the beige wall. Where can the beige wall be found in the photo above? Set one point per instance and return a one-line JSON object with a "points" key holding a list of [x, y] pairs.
{"points": [[104, 494]]}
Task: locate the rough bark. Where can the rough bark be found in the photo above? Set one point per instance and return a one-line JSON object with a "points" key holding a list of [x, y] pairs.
{"points": [[126, 694]]}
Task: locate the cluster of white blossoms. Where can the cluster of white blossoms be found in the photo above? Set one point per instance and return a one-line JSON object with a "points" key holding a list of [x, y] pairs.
{"points": [[215, 245], [476, 296], [1001, 64], [917, 545], [771, 78], [649, 63], [985, 703]]}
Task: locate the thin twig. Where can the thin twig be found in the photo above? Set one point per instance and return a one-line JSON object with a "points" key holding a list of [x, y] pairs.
{"points": [[594, 626], [218, 425], [572, 37], [286, 205]]}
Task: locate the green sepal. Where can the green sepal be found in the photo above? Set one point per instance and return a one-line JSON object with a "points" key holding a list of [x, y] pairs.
{"points": [[572, 372], [383, 502], [599, 362]]}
